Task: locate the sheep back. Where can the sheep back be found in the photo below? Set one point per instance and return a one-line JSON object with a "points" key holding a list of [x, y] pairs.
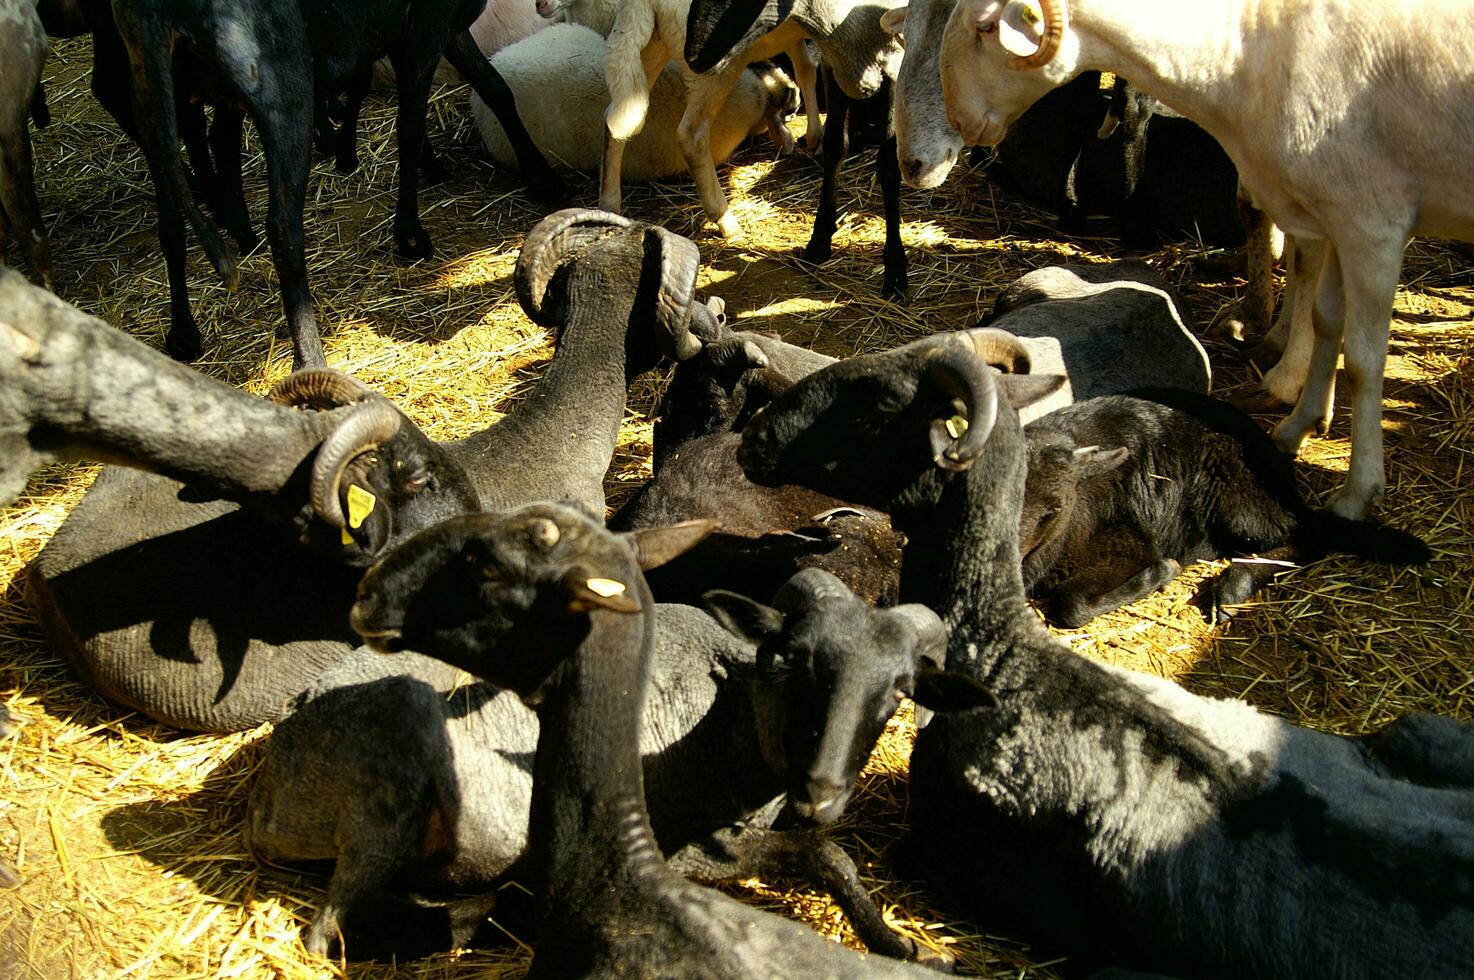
{"points": [[558, 79]]}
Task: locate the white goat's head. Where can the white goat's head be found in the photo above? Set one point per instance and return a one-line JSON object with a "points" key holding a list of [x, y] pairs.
{"points": [[997, 58]]}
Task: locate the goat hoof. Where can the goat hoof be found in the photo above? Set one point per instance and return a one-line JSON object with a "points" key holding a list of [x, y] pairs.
{"points": [[816, 252], [549, 188], [347, 163], [729, 227], [414, 244], [188, 347], [933, 959]]}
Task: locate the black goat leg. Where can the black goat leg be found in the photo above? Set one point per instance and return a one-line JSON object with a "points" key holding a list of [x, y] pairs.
{"points": [[888, 170], [747, 851], [414, 69], [467, 59], [836, 146], [1241, 580], [1128, 568], [40, 111], [347, 137], [226, 132]]}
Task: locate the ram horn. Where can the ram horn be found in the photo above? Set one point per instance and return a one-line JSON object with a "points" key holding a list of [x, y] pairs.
{"points": [[365, 429], [319, 388], [957, 443], [680, 261], [998, 348], [554, 241], [1049, 40], [931, 633]]}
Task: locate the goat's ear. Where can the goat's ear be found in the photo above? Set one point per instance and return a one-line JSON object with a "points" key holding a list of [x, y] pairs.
{"points": [[587, 593], [944, 690], [654, 546], [893, 21], [714, 27], [1021, 27], [742, 616], [1093, 460], [1023, 390]]}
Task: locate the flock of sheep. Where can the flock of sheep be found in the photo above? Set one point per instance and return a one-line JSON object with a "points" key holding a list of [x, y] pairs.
{"points": [[689, 691]]}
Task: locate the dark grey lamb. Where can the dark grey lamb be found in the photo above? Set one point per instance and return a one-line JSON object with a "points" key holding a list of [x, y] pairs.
{"points": [[23, 52], [565, 620], [1116, 815], [1124, 490], [133, 589], [447, 811]]}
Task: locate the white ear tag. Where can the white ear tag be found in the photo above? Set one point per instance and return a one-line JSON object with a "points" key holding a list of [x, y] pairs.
{"points": [[605, 587]]}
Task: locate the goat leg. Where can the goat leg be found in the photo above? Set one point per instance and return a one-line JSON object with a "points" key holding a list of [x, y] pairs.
{"points": [[888, 170], [835, 147]]}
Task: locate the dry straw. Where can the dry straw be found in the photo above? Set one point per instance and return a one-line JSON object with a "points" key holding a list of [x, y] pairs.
{"points": [[126, 834]]}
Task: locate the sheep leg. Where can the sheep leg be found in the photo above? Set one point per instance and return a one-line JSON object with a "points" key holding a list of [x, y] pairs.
{"points": [[1128, 567], [748, 851], [18, 197], [1256, 309], [1284, 382], [703, 99], [1328, 314], [633, 60], [225, 146], [466, 58], [1427, 749], [836, 146], [1371, 274], [888, 171], [807, 78]]}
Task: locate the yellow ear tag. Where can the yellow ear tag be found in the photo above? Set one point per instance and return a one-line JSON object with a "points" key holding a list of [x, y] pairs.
{"points": [[360, 506], [1031, 14], [956, 425], [605, 587]]}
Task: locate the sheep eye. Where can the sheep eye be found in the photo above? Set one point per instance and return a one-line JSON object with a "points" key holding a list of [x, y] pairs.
{"points": [[988, 28]]}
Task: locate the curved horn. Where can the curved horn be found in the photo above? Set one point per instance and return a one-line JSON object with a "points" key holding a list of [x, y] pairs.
{"points": [[998, 348], [366, 428], [1054, 31], [680, 261], [931, 633], [319, 388], [962, 375], [806, 586], [547, 247]]}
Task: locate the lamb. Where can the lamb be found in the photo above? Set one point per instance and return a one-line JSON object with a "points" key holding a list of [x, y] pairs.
{"points": [[1362, 188], [644, 35], [23, 51], [448, 811], [559, 74], [1115, 814], [1125, 489], [228, 57], [608, 904], [213, 645]]}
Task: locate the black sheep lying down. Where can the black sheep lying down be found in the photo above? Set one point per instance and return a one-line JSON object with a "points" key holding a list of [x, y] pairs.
{"points": [[560, 614], [1114, 813], [1124, 490], [198, 612]]}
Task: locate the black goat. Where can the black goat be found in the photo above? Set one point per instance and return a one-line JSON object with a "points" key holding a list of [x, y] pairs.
{"points": [[262, 57], [448, 811], [563, 617], [1118, 815], [1124, 490], [132, 589], [23, 52]]}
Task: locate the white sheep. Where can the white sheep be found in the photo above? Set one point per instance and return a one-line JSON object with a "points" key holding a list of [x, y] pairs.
{"points": [[558, 79], [1349, 122]]}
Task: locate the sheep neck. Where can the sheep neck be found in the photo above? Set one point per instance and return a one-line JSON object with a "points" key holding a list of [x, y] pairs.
{"points": [[589, 832], [962, 559], [571, 418]]}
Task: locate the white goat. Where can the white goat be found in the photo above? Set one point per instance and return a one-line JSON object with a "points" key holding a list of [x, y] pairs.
{"points": [[1349, 122], [558, 79]]}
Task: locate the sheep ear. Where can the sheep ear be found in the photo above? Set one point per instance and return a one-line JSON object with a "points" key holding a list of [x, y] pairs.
{"points": [[1023, 390], [1021, 27], [893, 21], [654, 546], [742, 616], [944, 690], [1093, 460], [587, 593]]}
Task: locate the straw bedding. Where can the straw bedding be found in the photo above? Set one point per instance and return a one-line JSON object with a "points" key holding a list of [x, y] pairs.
{"points": [[126, 834]]}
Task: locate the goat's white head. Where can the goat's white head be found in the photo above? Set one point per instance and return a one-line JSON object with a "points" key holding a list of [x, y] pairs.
{"points": [[997, 58]]}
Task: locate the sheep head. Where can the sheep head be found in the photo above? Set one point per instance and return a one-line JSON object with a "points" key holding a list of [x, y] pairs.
{"points": [[1058, 467], [886, 429], [507, 596], [376, 479], [664, 263], [838, 670], [998, 57]]}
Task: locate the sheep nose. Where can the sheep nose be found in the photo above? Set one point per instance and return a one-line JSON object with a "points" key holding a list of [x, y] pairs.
{"points": [[821, 800], [911, 169]]}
